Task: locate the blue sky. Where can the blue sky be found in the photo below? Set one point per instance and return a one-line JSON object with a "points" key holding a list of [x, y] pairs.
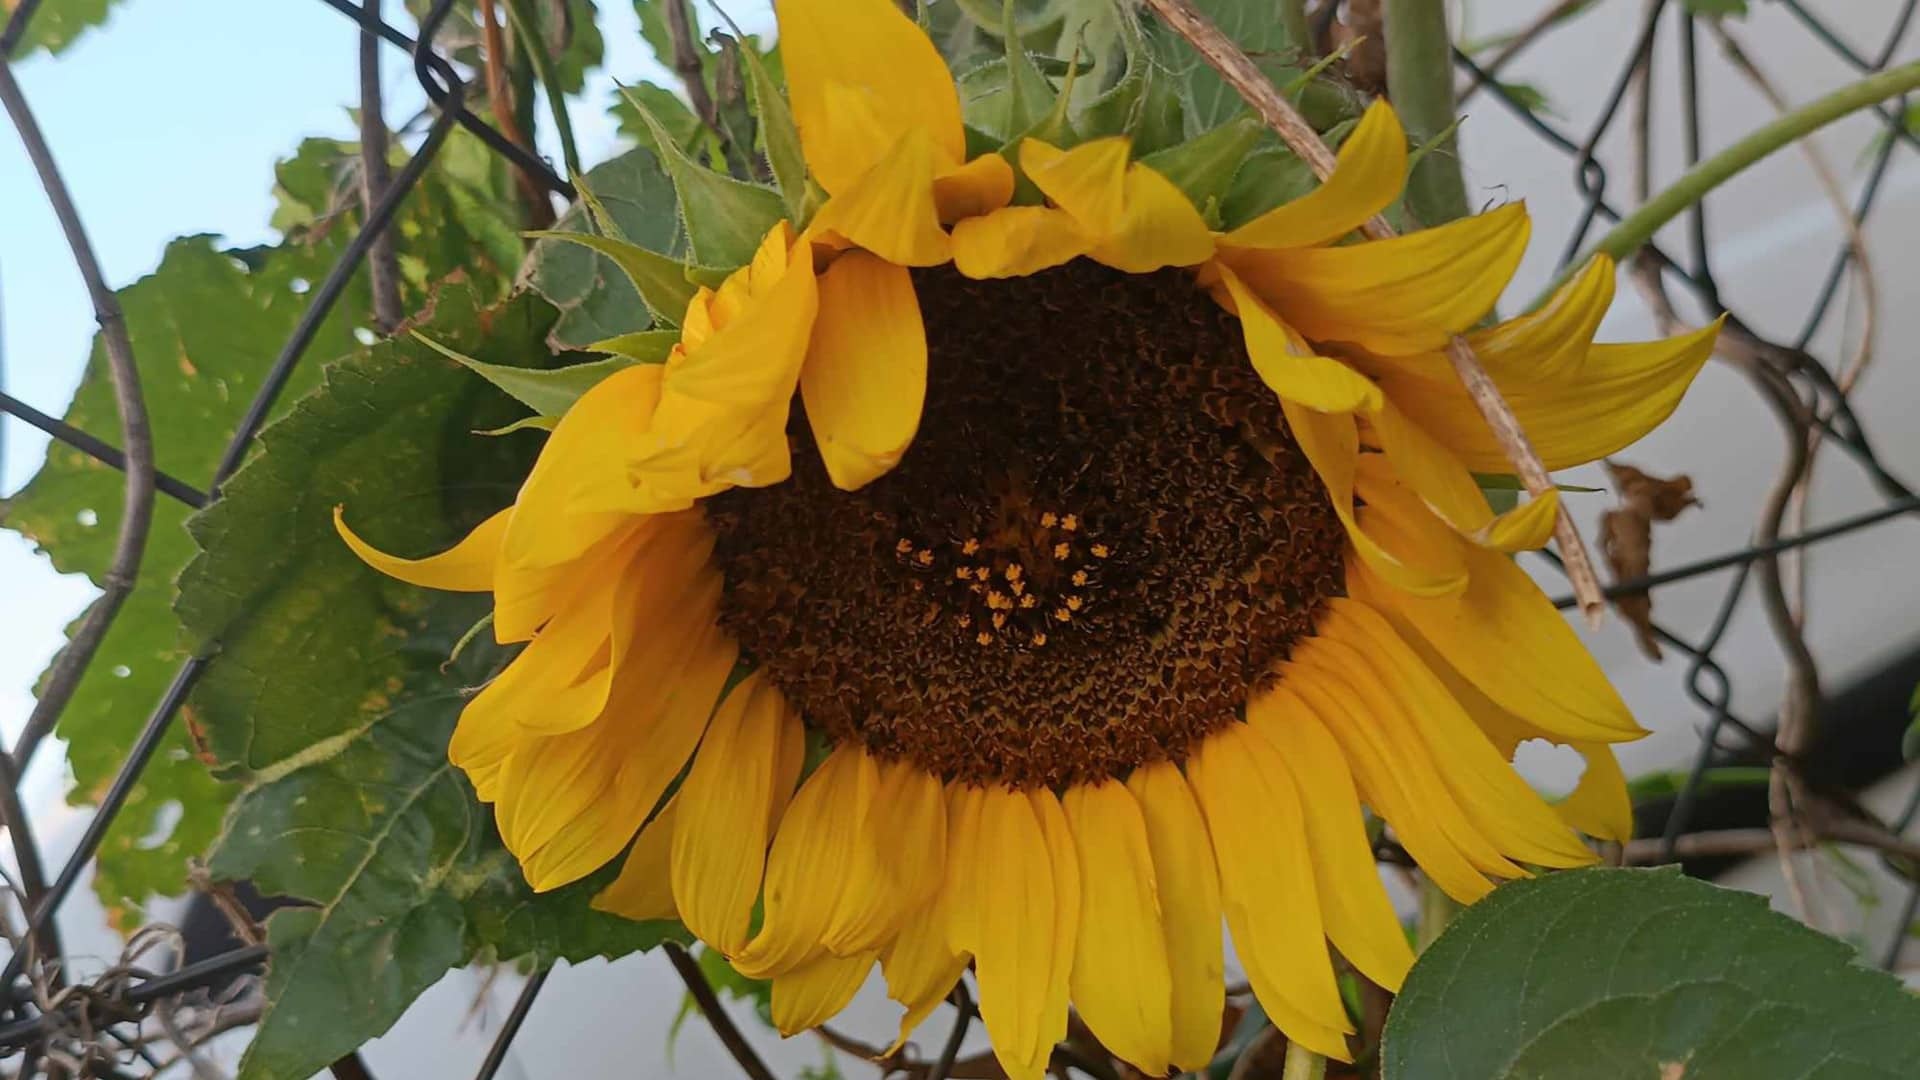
{"points": [[166, 122]]}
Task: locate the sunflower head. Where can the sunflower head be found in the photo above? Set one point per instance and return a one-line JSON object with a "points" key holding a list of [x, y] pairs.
{"points": [[1015, 565]]}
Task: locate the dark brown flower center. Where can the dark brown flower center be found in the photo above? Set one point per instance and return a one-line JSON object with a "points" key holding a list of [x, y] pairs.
{"points": [[1101, 538]]}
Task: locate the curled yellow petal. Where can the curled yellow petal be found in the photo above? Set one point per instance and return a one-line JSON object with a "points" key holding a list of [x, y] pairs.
{"points": [[1371, 169], [890, 210], [465, 567], [644, 889], [1526, 527], [860, 75], [1289, 366], [1139, 220], [866, 373], [1404, 295], [981, 186], [809, 996], [1016, 241]]}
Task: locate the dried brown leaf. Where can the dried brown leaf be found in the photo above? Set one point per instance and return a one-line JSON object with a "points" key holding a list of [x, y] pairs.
{"points": [[1626, 538]]}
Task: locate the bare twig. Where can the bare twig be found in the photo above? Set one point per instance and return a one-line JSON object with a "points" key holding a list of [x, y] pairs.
{"points": [[687, 65], [1516, 44], [500, 97], [717, 1018], [136, 439], [1751, 842], [963, 1006], [1271, 105], [383, 269]]}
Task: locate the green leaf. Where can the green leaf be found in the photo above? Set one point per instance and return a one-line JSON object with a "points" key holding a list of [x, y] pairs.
{"points": [[549, 392], [57, 24], [575, 44], [1254, 27], [661, 282], [1608, 973], [1205, 165], [644, 347], [1145, 104], [682, 126], [1272, 175], [596, 298], [1030, 97], [1735, 8], [725, 218], [331, 695]]}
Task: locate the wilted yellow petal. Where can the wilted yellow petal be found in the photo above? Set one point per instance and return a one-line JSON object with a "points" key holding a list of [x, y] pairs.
{"points": [[866, 373], [465, 567], [1371, 169]]}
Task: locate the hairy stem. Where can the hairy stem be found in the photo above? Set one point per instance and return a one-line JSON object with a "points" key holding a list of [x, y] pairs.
{"points": [[534, 46], [1420, 83], [1303, 1064]]}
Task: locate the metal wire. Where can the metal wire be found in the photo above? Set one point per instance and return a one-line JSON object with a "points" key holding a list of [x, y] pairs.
{"points": [[1706, 681]]}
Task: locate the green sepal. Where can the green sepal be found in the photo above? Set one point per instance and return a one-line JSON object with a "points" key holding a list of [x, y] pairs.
{"points": [[666, 285], [525, 423], [1205, 165], [1144, 105], [725, 218], [547, 391], [1030, 97], [1272, 175], [640, 347], [779, 133]]}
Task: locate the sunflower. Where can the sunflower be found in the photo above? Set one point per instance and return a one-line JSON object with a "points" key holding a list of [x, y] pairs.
{"points": [[1111, 575]]}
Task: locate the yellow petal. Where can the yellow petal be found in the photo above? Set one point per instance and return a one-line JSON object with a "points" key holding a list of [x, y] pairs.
{"points": [[644, 889], [1599, 804], [1016, 241], [808, 866], [1500, 804], [1288, 365], [1360, 918], [720, 843], [592, 439], [899, 854], [1527, 527], [1371, 170], [465, 567], [1504, 635], [861, 74], [1396, 787], [1189, 892], [1552, 340], [981, 186], [1618, 394], [921, 969], [1267, 886], [1432, 471], [1014, 915], [1331, 442], [809, 996], [890, 209], [963, 879], [1140, 220], [1403, 295], [1065, 931], [753, 355], [1121, 981], [866, 373]]}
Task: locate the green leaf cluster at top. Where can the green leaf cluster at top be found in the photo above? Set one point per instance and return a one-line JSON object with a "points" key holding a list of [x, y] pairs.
{"points": [[204, 326], [1600, 974]]}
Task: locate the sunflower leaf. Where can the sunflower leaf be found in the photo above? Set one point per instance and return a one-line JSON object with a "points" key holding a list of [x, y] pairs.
{"points": [[725, 218], [595, 296], [1144, 104], [1205, 165], [1606, 973], [644, 347], [58, 23], [1030, 97], [662, 282], [330, 693], [778, 132]]}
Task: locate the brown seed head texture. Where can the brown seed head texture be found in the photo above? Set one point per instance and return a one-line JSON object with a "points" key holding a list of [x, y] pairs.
{"points": [[1101, 539]]}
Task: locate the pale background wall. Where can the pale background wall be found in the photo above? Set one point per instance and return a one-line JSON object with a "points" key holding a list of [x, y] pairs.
{"points": [[166, 123]]}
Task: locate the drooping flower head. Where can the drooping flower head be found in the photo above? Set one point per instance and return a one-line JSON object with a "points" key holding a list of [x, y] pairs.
{"points": [[1106, 568]]}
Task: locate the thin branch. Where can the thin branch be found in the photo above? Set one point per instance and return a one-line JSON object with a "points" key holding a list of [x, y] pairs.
{"points": [[717, 1018], [1272, 106], [136, 440], [1420, 85], [383, 269], [1727, 843], [687, 64], [963, 1006], [1521, 38]]}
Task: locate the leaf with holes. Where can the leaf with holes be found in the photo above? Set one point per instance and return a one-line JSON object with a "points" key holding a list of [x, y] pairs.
{"points": [[1608, 973], [204, 327], [596, 300], [330, 696]]}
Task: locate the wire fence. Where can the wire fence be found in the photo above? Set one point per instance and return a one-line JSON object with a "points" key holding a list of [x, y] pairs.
{"points": [[1811, 396]]}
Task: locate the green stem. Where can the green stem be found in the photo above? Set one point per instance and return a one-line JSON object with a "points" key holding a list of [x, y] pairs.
{"points": [[1420, 82], [533, 46], [1303, 1064], [1693, 185], [1293, 20], [1437, 909]]}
